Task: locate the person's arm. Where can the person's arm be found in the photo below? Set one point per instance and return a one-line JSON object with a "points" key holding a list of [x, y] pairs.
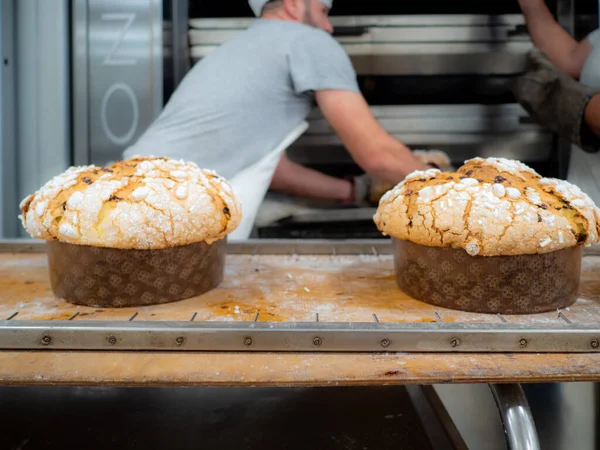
{"points": [[592, 115], [300, 181], [566, 53], [372, 148], [560, 103]]}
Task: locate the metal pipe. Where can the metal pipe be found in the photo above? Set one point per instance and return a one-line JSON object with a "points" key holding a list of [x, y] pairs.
{"points": [[516, 416], [435, 419]]}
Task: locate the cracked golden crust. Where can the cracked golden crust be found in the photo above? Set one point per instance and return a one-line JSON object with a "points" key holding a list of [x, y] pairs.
{"points": [[489, 207], [140, 203]]}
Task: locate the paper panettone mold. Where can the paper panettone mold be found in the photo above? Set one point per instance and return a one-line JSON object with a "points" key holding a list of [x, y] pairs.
{"points": [[468, 239], [139, 232], [117, 278], [520, 284]]}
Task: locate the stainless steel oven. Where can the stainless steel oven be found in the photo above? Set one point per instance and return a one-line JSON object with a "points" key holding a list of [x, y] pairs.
{"points": [[126, 58]]}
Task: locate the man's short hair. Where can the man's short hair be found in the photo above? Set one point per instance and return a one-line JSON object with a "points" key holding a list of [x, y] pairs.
{"points": [[272, 4]]}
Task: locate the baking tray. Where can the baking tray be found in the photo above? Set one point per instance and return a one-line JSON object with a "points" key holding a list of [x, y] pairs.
{"points": [[287, 296]]}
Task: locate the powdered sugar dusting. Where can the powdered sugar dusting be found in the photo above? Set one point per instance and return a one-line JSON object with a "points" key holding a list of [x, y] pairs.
{"points": [[139, 203], [491, 206]]}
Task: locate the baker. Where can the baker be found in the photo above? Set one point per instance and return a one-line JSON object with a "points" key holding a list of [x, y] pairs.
{"points": [[241, 106], [561, 90]]}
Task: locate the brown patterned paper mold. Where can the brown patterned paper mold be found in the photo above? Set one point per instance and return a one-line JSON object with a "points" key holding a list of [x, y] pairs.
{"points": [[140, 232], [492, 237]]}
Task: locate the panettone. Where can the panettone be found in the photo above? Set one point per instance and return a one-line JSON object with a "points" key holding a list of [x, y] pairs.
{"points": [[141, 203], [489, 207], [139, 232], [493, 237]]}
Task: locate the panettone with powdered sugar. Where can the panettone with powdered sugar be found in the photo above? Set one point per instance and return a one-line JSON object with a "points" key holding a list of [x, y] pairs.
{"points": [[489, 207], [139, 232], [140, 203]]}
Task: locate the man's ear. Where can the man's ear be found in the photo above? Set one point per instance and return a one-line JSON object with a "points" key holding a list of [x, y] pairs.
{"points": [[294, 8]]}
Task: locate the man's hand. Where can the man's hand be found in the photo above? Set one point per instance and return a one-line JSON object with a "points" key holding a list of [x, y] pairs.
{"points": [[554, 99], [370, 189], [436, 157], [293, 179]]}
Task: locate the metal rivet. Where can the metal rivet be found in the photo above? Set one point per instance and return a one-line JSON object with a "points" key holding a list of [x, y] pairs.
{"points": [[523, 342], [317, 342], [385, 343], [46, 340], [594, 344], [248, 341], [180, 340], [112, 340], [455, 342]]}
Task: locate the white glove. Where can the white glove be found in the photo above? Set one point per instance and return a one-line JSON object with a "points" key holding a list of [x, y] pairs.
{"points": [[437, 157]]}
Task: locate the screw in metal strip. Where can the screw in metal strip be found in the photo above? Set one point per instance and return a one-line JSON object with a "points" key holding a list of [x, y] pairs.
{"points": [[523, 343], [112, 340], [247, 341], [455, 342], [385, 343], [317, 342], [595, 344], [563, 317], [180, 340], [46, 340]]}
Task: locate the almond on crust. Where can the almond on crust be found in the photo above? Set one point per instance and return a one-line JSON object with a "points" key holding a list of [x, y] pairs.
{"points": [[140, 203], [489, 207]]}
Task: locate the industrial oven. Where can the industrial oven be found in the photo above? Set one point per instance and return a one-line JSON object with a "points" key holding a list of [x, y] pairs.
{"points": [[437, 77]]}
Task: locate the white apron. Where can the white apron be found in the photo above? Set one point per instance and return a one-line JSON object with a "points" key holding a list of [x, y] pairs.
{"points": [[252, 184]]}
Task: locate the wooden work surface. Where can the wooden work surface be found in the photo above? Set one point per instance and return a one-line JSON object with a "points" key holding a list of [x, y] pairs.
{"points": [[346, 288], [289, 369]]}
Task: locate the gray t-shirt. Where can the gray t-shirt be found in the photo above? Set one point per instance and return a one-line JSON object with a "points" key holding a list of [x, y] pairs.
{"points": [[238, 103], [584, 168]]}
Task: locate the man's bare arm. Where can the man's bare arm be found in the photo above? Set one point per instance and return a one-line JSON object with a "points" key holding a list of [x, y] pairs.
{"points": [[566, 53], [372, 148], [299, 181]]}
